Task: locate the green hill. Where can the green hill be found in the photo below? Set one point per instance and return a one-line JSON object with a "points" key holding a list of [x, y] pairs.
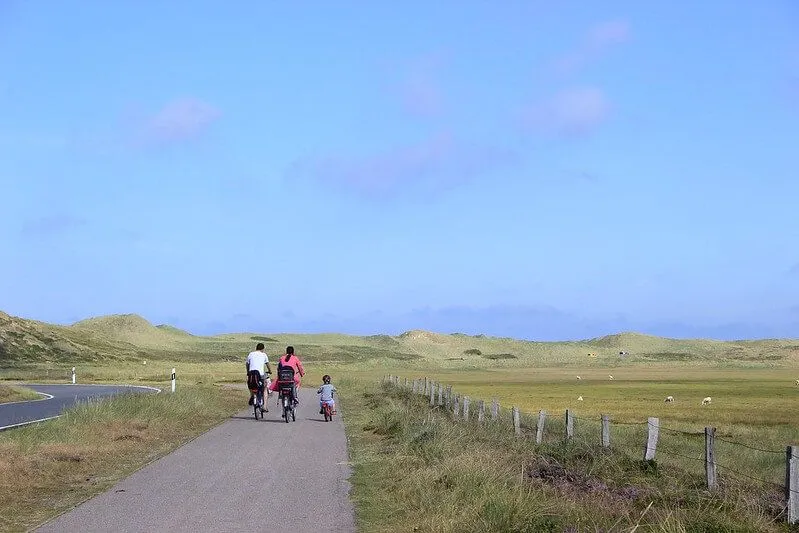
{"points": [[131, 337]]}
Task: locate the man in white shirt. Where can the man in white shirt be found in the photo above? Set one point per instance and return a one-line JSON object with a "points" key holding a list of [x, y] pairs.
{"points": [[257, 367]]}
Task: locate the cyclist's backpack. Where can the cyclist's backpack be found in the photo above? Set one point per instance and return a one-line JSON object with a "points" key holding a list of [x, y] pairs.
{"points": [[253, 380]]}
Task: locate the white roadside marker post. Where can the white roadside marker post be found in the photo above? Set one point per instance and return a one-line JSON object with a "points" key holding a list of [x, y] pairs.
{"points": [[173, 380], [73, 375]]}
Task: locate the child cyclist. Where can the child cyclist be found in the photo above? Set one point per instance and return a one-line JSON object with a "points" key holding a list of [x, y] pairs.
{"points": [[326, 390]]}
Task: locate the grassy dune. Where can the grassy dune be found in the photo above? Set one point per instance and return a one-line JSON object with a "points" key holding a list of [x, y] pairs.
{"points": [[50, 467], [131, 339]]}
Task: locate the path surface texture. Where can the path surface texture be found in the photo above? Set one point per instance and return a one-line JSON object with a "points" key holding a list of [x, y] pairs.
{"points": [[55, 399], [243, 475]]}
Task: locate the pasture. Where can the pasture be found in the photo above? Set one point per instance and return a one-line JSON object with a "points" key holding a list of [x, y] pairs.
{"points": [[749, 409], [422, 467]]}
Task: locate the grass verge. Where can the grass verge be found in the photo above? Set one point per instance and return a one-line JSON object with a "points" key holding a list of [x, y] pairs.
{"points": [[414, 469], [49, 468], [15, 393]]}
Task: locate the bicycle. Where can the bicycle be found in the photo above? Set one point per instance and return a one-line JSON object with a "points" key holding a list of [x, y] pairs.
{"points": [[259, 406], [329, 412], [286, 397]]}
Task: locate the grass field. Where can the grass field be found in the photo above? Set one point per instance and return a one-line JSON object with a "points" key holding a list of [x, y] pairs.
{"points": [[414, 466]]}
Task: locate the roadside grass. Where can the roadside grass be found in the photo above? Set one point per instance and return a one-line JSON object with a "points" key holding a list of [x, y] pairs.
{"points": [[414, 469], [749, 409], [50, 467], [15, 393]]}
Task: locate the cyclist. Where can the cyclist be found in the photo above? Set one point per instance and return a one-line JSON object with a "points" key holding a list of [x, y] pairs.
{"points": [[257, 369], [326, 390], [290, 360]]}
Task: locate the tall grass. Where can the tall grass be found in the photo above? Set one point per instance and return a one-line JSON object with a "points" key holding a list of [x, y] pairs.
{"points": [[15, 393], [49, 467], [415, 469]]}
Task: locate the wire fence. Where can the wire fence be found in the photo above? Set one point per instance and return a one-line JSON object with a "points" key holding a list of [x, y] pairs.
{"points": [[706, 458]]}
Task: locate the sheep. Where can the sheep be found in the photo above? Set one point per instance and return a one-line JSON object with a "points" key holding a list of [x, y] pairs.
{"points": [[797, 381], [669, 399], [580, 398], [706, 401], [611, 377], [579, 378]]}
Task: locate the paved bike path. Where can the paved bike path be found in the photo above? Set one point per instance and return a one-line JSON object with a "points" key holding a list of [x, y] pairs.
{"points": [[243, 475]]}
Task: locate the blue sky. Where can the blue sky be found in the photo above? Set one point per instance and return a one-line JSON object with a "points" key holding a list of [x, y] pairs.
{"points": [[542, 170]]}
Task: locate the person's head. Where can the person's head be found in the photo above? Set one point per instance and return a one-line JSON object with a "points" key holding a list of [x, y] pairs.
{"points": [[289, 352], [260, 347], [326, 379]]}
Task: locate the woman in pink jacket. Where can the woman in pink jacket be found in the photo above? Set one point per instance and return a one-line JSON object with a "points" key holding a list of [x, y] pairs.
{"points": [[289, 359]]}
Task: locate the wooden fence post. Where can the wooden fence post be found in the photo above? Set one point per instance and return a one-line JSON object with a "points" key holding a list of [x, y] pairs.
{"points": [[413, 389], [424, 390], [517, 426], [539, 432], [406, 383], [792, 483], [432, 394], [481, 411], [605, 431], [456, 406], [440, 395], [569, 424], [466, 403], [710, 458], [448, 399], [494, 409], [653, 424]]}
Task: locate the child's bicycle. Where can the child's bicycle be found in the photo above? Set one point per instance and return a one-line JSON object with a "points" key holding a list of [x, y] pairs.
{"points": [[329, 411]]}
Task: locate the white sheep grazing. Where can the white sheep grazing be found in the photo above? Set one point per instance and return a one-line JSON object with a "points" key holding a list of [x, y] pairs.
{"points": [[579, 399], [706, 401], [797, 381], [669, 399], [579, 378], [611, 377]]}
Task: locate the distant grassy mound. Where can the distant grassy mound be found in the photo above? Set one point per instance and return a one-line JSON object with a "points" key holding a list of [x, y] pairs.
{"points": [[173, 330], [130, 337], [262, 338], [132, 329]]}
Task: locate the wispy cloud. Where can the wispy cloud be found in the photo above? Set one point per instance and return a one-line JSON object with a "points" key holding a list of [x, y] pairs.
{"points": [[51, 225], [596, 41], [571, 112], [420, 90], [434, 164], [179, 120]]}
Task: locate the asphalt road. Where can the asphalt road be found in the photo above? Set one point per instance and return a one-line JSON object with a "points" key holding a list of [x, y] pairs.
{"points": [[57, 398], [243, 475]]}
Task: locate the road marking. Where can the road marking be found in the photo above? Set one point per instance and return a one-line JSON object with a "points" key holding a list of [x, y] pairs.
{"points": [[30, 422]]}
